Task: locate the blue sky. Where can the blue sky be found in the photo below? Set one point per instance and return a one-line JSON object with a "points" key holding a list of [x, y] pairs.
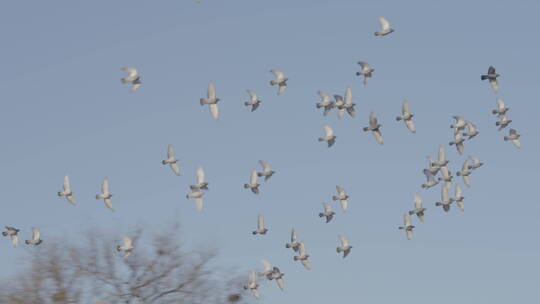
{"points": [[64, 111]]}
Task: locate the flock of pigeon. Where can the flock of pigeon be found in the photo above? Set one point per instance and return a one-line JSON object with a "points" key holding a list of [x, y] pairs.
{"points": [[462, 130]]}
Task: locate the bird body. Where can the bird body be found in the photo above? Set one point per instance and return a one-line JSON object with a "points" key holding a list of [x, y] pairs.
{"points": [[342, 197], [365, 70], [513, 136], [13, 235], [302, 256], [418, 209], [407, 226], [127, 247], [133, 77], [492, 76], [267, 171], [407, 116], [325, 103], [201, 184], [280, 81], [385, 27], [294, 244], [374, 127], [446, 201], [211, 101]]}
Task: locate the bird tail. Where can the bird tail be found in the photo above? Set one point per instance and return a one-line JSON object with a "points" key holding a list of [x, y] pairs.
{"points": [[494, 112], [335, 198], [246, 186], [246, 104], [321, 214], [498, 123], [98, 196], [377, 34], [339, 249], [321, 139], [506, 138], [398, 118], [318, 105], [365, 129], [4, 233], [287, 245], [164, 162], [424, 186], [273, 82], [118, 248], [124, 80], [458, 173], [438, 204], [60, 193], [483, 77], [254, 232], [296, 258], [411, 212], [259, 174], [451, 143], [202, 101]]}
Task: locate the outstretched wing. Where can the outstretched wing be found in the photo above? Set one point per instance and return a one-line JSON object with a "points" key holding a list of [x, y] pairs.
{"points": [[105, 186], [253, 177], [279, 75], [385, 25], [344, 240], [252, 95], [328, 131], [417, 201], [211, 91], [200, 175], [35, 234], [325, 98]]}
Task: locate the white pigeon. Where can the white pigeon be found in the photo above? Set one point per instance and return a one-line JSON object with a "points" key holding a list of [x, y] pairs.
{"points": [[260, 226], [340, 105], [254, 101], [465, 172], [365, 70], [458, 197], [127, 247], [211, 101], [36, 240], [328, 213], [472, 131], [201, 184], [407, 116], [418, 209], [491, 76], [267, 171], [342, 197], [171, 160], [345, 246], [133, 77], [349, 105], [514, 137], [385, 27], [458, 141], [503, 121], [280, 81], [277, 275], [446, 201], [432, 166], [302, 256], [294, 244], [501, 108], [325, 103], [329, 136], [476, 162], [13, 235], [105, 194], [252, 285], [431, 181], [446, 175], [253, 182], [197, 195], [267, 269], [407, 226], [67, 193], [374, 127], [459, 125]]}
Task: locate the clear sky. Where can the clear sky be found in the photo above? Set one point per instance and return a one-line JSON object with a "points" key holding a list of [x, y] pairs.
{"points": [[64, 111]]}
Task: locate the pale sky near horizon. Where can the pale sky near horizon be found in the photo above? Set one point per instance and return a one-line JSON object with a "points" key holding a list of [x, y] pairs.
{"points": [[65, 111]]}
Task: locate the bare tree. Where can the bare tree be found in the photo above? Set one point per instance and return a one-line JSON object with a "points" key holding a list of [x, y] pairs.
{"points": [[158, 271]]}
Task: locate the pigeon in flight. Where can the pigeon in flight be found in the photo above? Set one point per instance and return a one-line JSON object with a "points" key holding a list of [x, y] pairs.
{"points": [[133, 77], [260, 226], [201, 184], [374, 127], [418, 209], [105, 194], [459, 125], [431, 181], [458, 141], [127, 247], [342, 197], [197, 195], [491, 76], [254, 101], [514, 137], [302, 256], [345, 246], [446, 201], [472, 131], [503, 121], [476, 162], [67, 193], [407, 116], [385, 27], [465, 172], [253, 182], [328, 212], [340, 105], [325, 103], [407, 226], [294, 244], [171, 160], [211, 101], [442, 161], [501, 108], [329, 136], [280, 81], [349, 105], [365, 70], [267, 269], [13, 235], [432, 166], [458, 197], [277, 275], [446, 175], [252, 285], [36, 240], [267, 171]]}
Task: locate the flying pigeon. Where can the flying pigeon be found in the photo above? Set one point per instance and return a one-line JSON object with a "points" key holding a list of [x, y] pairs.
{"points": [[342, 197], [345, 247], [12, 233], [407, 116], [280, 80], [458, 197], [349, 105], [365, 70], [503, 121], [374, 127], [339, 103], [431, 181], [201, 184], [105, 195], [458, 141], [67, 193], [514, 137], [325, 103], [329, 136], [385, 27], [302, 256], [328, 212], [133, 77], [491, 76], [418, 209], [459, 125], [267, 269], [472, 131], [253, 182], [252, 285], [127, 247], [277, 275], [442, 161], [171, 160], [267, 171], [407, 226], [501, 108], [476, 162], [36, 240], [446, 201], [254, 101], [260, 226], [294, 244], [211, 101], [197, 195], [465, 172]]}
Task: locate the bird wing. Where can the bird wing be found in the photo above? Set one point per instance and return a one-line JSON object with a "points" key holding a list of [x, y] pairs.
{"points": [[516, 142], [214, 112], [108, 203], [265, 165], [445, 172], [410, 125], [500, 104], [328, 131], [280, 283], [199, 202], [252, 95], [458, 190], [254, 177], [67, 187], [466, 181], [442, 154], [364, 66], [344, 241], [325, 98], [255, 292], [266, 266], [260, 222], [444, 194], [344, 204], [327, 207], [409, 234], [200, 175], [471, 126], [429, 175], [279, 75], [127, 242], [170, 151], [378, 137], [301, 249], [373, 120], [175, 168], [131, 71], [348, 96], [494, 85], [281, 89], [406, 220], [491, 70], [340, 190], [211, 91], [474, 159], [513, 132], [253, 276], [105, 186], [306, 264], [14, 239], [405, 107], [385, 25], [417, 201], [293, 236], [35, 234]]}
